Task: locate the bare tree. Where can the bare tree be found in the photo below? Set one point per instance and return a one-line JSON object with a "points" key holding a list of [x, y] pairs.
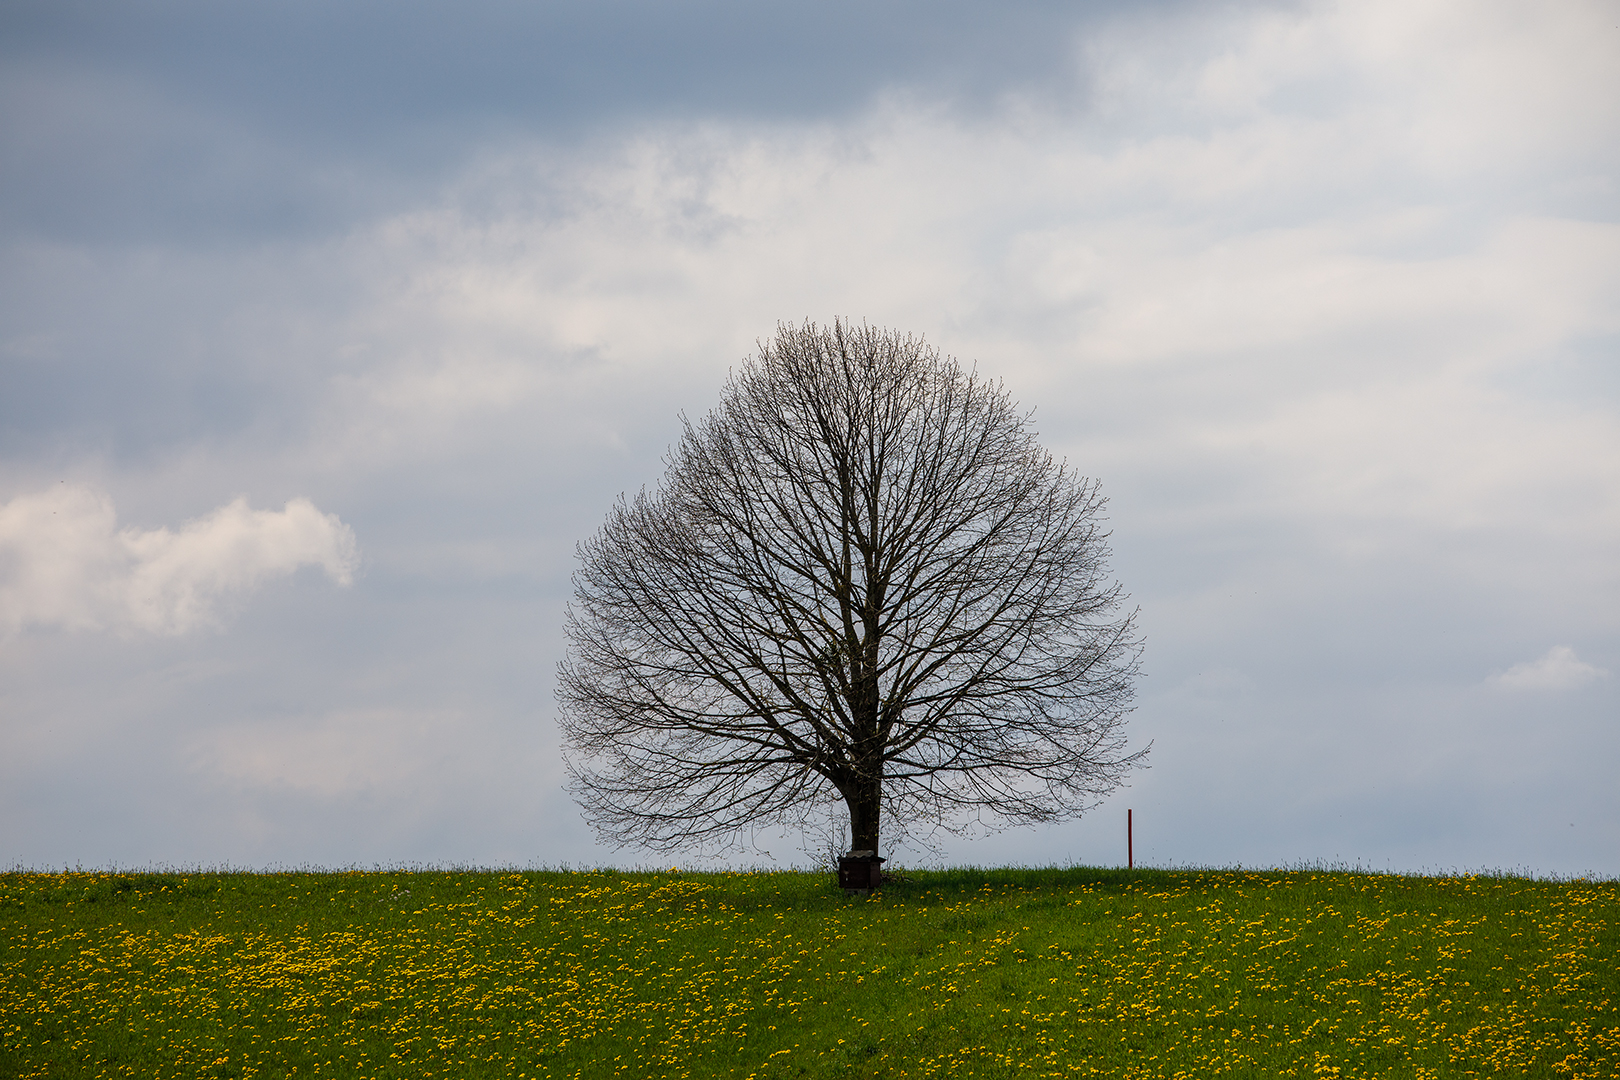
{"points": [[860, 574]]}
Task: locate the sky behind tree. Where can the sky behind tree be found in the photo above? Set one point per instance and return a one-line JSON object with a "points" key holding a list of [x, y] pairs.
{"points": [[325, 334]]}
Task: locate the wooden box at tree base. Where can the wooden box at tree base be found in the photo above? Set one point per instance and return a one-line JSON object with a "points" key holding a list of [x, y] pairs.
{"points": [[861, 870]]}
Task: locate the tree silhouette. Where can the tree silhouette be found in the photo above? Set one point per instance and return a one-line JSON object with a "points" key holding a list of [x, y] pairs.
{"points": [[862, 576]]}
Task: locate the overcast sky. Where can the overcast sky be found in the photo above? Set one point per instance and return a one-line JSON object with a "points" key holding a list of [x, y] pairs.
{"points": [[326, 331]]}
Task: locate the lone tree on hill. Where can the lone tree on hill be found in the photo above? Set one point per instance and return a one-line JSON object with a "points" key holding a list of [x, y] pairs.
{"points": [[860, 575]]}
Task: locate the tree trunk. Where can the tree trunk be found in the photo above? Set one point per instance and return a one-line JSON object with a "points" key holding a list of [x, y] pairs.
{"points": [[865, 799]]}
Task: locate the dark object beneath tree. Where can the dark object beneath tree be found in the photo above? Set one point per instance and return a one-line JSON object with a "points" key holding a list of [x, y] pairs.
{"points": [[861, 870]]}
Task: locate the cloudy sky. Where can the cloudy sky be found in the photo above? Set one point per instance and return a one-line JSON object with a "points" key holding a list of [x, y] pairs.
{"points": [[326, 331]]}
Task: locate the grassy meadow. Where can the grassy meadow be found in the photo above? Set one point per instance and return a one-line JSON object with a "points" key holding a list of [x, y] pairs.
{"points": [[1053, 973]]}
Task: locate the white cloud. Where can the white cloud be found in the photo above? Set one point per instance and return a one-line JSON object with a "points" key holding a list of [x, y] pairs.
{"points": [[65, 563], [1559, 669]]}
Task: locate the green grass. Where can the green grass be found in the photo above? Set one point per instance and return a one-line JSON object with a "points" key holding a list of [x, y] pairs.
{"points": [[1073, 972]]}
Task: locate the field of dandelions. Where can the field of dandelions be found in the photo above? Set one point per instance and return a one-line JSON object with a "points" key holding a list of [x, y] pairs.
{"points": [[982, 973]]}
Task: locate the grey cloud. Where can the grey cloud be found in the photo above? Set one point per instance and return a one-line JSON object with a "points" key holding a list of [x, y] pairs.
{"points": [[158, 161], [360, 71], [201, 122]]}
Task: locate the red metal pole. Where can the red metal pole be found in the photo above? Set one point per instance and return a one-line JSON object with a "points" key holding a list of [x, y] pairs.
{"points": [[1130, 844]]}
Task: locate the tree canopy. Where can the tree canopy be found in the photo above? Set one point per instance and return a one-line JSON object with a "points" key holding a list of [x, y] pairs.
{"points": [[861, 578]]}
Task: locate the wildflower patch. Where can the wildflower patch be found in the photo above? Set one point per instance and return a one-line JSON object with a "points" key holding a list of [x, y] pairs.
{"points": [[1056, 973]]}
